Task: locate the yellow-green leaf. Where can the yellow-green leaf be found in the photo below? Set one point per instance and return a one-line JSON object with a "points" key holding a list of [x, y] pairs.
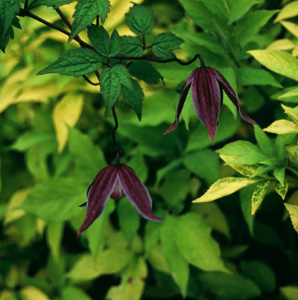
{"points": [[54, 237], [258, 195], [33, 293], [281, 189], [224, 187], [295, 51], [293, 211], [283, 44], [157, 259], [277, 61], [292, 93], [291, 27], [291, 112], [282, 127], [289, 11], [66, 114]]}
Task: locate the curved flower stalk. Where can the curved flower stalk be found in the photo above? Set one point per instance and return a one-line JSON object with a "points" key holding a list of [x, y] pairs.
{"points": [[114, 182], [206, 85]]}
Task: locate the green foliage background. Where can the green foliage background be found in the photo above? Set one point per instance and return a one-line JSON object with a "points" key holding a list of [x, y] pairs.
{"points": [[55, 138]]}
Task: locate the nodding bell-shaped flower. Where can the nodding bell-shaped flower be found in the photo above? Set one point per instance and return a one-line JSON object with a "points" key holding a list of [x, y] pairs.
{"points": [[206, 85], [116, 181]]}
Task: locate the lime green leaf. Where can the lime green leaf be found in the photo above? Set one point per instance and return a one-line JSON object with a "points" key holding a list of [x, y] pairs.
{"points": [[164, 43], [89, 158], [131, 46], [287, 12], [237, 9], [157, 259], [140, 19], [293, 211], [229, 286], [203, 252], [86, 12], [282, 127], [36, 3], [258, 195], [252, 76], [201, 161], [111, 81], [74, 62], [152, 235], [33, 293], [74, 293], [259, 273], [224, 187], [281, 189], [289, 292], [56, 199], [291, 112], [290, 94], [279, 62], [134, 98], [132, 283], [145, 71], [246, 152], [264, 142], [279, 174], [54, 238], [249, 25], [282, 44], [129, 219], [177, 263], [109, 261], [66, 114], [291, 27]]}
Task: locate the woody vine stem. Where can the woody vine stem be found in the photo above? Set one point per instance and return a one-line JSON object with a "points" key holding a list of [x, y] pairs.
{"points": [[26, 13]]}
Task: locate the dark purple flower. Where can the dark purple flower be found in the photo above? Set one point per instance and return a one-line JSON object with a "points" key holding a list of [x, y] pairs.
{"points": [[206, 85], [116, 181]]}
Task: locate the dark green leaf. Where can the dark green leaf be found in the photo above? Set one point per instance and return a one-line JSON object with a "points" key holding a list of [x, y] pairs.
{"points": [[36, 3], [100, 39], [134, 98], [56, 199], [111, 81], [140, 19], [145, 71], [8, 9], [86, 12], [164, 43], [115, 43], [132, 46], [75, 62]]}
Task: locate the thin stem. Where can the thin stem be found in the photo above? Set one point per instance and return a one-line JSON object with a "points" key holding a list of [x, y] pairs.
{"points": [[63, 17], [89, 81], [115, 127], [97, 21], [26, 4]]}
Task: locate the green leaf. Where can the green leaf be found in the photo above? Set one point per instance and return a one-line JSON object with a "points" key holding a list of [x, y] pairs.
{"points": [[177, 263], [201, 161], [293, 211], [248, 26], [289, 292], [74, 293], [152, 235], [36, 3], [291, 27], [224, 187], [111, 81], [279, 174], [54, 238], [252, 76], [287, 12], [277, 61], [145, 71], [281, 190], [110, 261], [203, 252], [264, 142], [246, 152], [290, 94], [8, 9], [164, 43], [237, 9], [258, 195], [134, 98], [55, 199], [86, 12], [140, 19], [229, 286], [282, 127], [129, 219], [74, 62], [131, 46], [116, 43], [259, 273]]}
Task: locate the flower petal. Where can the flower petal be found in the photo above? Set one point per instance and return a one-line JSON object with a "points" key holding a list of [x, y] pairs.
{"points": [[136, 192], [232, 95], [98, 193], [181, 102], [207, 99]]}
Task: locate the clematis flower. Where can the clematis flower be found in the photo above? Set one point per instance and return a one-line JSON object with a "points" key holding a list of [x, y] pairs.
{"points": [[116, 181], [206, 85]]}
